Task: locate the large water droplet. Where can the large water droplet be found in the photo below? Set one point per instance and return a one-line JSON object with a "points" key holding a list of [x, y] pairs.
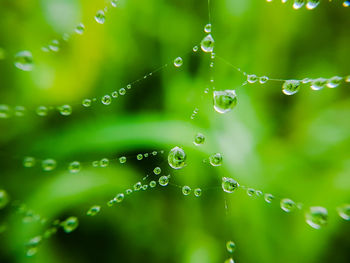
{"points": [[316, 217], [229, 185], [24, 60], [207, 43], [290, 87], [224, 101], [106, 99], [346, 3], [100, 17], [177, 158]]}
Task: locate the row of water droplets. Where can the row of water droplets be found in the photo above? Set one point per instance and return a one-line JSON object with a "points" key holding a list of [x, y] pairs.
{"points": [[309, 4]]}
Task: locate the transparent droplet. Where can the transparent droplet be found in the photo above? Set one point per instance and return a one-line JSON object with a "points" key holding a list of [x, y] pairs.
{"points": [[215, 159], [177, 158], [80, 29], [139, 157], [122, 159], [298, 4], [128, 86], [137, 186], [269, 198], [306, 80], [207, 28], [178, 62], [195, 49], [65, 110], [74, 167], [122, 91], [258, 193], [290, 87], [20, 111], [110, 203], [186, 190], [115, 94], [114, 3], [263, 79], [145, 155], [94, 210], [152, 184], [29, 162], [145, 187], [4, 198], [54, 45], [252, 78], [157, 170], [207, 43], [224, 101], [312, 4], [287, 205], [318, 84], [316, 217], [334, 82], [42, 111], [250, 192], [199, 139], [100, 17], [104, 162], [344, 211], [229, 185], [86, 103], [128, 191], [163, 180], [5, 111], [230, 246], [197, 192], [24, 60], [106, 99], [119, 197], [95, 163], [154, 153], [48, 165], [70, 224], [229, 260]]}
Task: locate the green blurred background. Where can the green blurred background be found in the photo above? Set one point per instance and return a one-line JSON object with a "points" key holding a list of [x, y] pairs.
{"points": [[292, 146]]}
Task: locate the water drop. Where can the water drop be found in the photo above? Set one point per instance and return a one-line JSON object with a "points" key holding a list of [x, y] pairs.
{"points": [[122, 159], [312, 4], [65, 110], [4, 198], [48, 165], [186, 190], [74, 167], [334, 82], [197, 192], [110, 203], [100, 17], [229, 260], [230, 246], [250, 192], [104, 162], [207, 44], [229, 185], [114, 3], [252, 78], [54, 45], [163, 180], [128, 191], [344, 211], [258, 193], [318, 84], [42, 111], [316, 217], [144, 187], [154, 153], [157, 170], [106, 99], [115, 94], [306, 80], [178, 62], [5, 111], [287, 205], [152, 184], [119, 197], [269, 198], [207, 28], [199, 139], [94, 210], [122, 91], [195, 49], [128, 86], [29, 162], [20, 111], [139, 157], [95, 164], [290, 87], [224, 101], [86, 103], [70, 224], [215, 159], [146, 155], [24, 60], [263, 79], [137, 186], [298, 4], [80, 29], [177, 158]]}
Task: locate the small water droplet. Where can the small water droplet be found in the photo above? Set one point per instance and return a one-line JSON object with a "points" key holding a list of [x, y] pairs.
{"points": [[229, 260], [106, 100], [86, 103], [312, 4], [80, 29], [152, 184], [229, 185], [54, 45], [318, 84], [100, 17], [230, 246], [139, 157], [344, 211], [42, 111], [197, 192], [287, 205], [5, 111], [29, 162], [115, 94], [104, 162], [178, 62], [20, 111], [177, 158], [216, 159], [128, 191], [290, 87], [114, 3], [334, 82], [263, 79], [207, 44], [24, 60], [252, 78], [199, 139], [65, 110], [122, 91], [74, 167], [250, 192], [316, 217], [207, 28], [298, 4], [122, 159], [195, 49], [48, 165], [224, 101], [137, 186], [70, 224], [186, 190], [269, 198], [94, 210], [157, 170], [119, 197], [163, 180]]}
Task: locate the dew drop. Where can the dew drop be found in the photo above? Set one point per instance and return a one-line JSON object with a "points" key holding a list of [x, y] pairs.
{"points": [[154, 153], [146, 155], [312, 4], [122, 159], [186, 190], [42, 111], [114, 3], [250, 192], [229, 185], [20, 111], [318, 84], [128, 86], [207, 28], [152, 184], [316, 217], [344, 211], [177, 158], [199, 139], [94, 210], [263, 79], [4, 198], [100, 17], [122, 91], [5, 111], [48, 165], [230, 246], [157, 170], [54, 45], [24, 60], [74, 167], [224, 101], [287, 205], [29, 162], [110, 203], [229, 260], [207, 43], [95, 163], [139, 157], [70, 224], [334, 82], [128, 191], [65, 110], [106, 100], [104, 162], [298, 4], [269, 198], [86, 103], [195, 49], [197, 192], [178, 62], [258, 193], [290, 87], [163, 180], [115, 94], [80, 29], [119, 197], [215, 159], [252, 78]]}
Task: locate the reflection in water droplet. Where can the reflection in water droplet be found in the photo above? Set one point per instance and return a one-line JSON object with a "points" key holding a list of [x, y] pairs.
{"points": [[48, 165], [290, 87], [163, 180], [224, 100], [186, 190], [74, 167], [70, 224], [229, 185], [230, 246], [177, 158], [207, 43], [334, 82], [94, 210]]}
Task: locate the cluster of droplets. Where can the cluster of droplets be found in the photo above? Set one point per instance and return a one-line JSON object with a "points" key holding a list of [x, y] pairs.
{"points": [[187, 190], [42, 111], [309, 4]]}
